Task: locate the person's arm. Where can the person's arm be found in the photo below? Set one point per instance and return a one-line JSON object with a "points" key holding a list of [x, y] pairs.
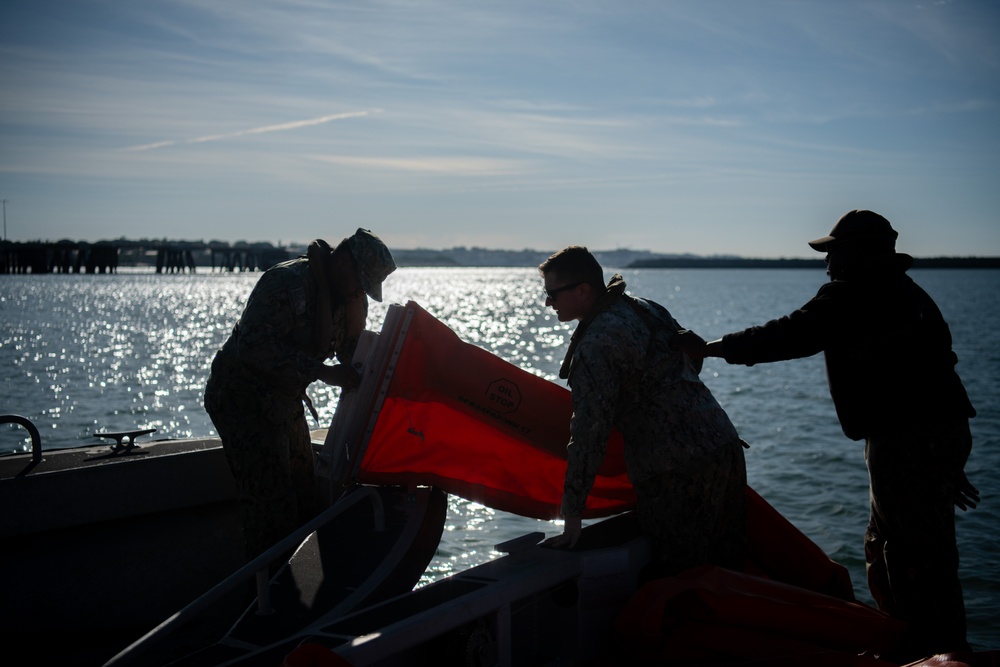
{"points": [[355, 318], [601, 359], [354, 315], [714, 348], [694, 346], [339, 375], [570, 535], [802, 333]]}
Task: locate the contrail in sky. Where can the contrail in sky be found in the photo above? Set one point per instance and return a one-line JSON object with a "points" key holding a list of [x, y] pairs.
{"points": [[281, 127]]}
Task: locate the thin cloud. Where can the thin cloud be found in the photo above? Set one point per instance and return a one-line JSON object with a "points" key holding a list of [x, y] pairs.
{"points": [[280, 127], [432, 165]]}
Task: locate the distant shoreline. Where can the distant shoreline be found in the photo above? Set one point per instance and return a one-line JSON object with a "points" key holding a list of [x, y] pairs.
{"points": [[644, 259], [178, 256], [748, 263]]}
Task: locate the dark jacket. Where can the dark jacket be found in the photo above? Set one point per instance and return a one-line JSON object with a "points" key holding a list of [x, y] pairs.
{"points": [[888, 351]]}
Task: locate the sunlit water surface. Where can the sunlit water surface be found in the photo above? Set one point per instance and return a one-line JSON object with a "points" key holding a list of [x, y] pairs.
{"points": [[86, 352]]}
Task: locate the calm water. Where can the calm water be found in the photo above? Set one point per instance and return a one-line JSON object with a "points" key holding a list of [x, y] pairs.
{"points": [[81, 353]]}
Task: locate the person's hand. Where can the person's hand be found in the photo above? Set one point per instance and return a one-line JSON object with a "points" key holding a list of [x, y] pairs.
{"points": [[570, 535], [689, 343], [340, 375], [713, 349], [966, 495]]}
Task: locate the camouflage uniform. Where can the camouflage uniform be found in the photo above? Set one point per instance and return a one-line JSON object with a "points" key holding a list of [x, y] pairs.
{"points": [[683, 455], [257, 386]]}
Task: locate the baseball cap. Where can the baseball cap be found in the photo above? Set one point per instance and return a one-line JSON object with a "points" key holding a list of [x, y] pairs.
{"points": [[373, 261], [859, 231]]}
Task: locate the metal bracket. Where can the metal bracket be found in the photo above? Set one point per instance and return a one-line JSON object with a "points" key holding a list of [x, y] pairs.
{"points": [[120, 438]]}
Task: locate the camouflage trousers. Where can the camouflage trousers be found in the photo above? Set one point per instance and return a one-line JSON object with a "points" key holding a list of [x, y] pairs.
{"points": [[696, 514], [274, 471], [910, 549]]}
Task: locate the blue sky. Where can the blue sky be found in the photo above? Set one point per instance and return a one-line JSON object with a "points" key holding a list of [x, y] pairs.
{"points": [[701, 126]]}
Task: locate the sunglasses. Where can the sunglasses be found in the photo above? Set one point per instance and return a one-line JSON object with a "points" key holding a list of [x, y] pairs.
{"points": [[553, 293]]}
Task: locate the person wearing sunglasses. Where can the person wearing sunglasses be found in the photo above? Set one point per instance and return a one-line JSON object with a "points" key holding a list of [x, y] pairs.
{"points": [[683, 455]]}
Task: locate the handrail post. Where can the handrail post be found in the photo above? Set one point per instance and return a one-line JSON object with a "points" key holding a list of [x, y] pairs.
{"points": [[36, 438]]}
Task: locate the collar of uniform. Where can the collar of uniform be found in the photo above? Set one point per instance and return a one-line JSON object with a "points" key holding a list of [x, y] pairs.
{"points": [[613, 292]]}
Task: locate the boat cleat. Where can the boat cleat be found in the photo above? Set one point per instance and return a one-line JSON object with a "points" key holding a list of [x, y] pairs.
{"points": [[124, 440]]}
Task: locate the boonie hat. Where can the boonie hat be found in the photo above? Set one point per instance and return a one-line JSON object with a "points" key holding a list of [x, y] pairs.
{"points": [[859, 231], [373, 261]]}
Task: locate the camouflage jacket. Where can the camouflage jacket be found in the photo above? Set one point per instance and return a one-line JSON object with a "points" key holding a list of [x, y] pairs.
{"points": [[624, 374], [272, 355]]}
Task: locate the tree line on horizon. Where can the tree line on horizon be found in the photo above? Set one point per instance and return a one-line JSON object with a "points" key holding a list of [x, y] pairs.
{"points": [[142, 251]]}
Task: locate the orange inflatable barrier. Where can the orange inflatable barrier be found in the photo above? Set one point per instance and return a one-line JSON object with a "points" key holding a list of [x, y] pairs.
{"points": [[713, 614], [456, 416], [778, 550], [453, 415]]}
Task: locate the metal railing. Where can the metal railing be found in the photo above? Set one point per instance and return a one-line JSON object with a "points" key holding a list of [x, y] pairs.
{"points": [[36, 439], [258, 568]]}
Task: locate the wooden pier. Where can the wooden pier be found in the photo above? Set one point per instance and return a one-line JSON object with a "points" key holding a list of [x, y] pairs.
{"points": [[166, 257]]}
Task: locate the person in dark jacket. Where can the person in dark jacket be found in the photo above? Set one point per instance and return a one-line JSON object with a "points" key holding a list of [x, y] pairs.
{"points": [[891, 373]]}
